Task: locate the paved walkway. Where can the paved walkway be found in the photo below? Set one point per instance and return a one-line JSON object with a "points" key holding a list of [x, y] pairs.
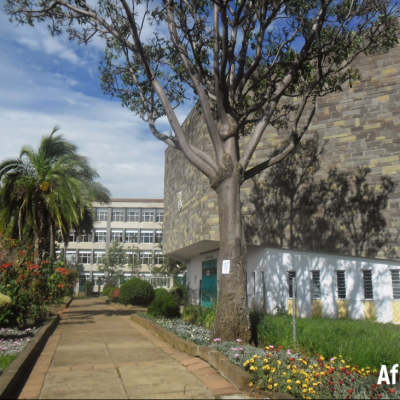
{"points": [[98, 352]]}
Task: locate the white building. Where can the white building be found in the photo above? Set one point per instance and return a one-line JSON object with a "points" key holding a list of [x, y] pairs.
{"points": [[137, 223]]}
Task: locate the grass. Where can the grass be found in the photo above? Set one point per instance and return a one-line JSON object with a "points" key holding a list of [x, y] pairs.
{"points": [[5, 361], [364, 343]]}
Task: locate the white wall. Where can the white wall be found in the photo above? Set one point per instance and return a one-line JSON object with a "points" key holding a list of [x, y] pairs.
{"points": [[275, 263]]}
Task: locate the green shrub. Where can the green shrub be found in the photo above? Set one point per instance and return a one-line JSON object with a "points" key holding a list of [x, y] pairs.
{"points": [[160, 292], [360, 342], [197, 315], [113, 294], [89, 288], [107, 287], [177, 293], [164, 305], [136, 292], [5, 303]]}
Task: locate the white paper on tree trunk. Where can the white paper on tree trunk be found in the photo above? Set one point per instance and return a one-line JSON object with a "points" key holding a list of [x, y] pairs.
{"points": [[226, 266]]}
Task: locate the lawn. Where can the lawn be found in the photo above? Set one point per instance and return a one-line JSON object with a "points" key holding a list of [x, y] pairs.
{"points": [[5, 361]]}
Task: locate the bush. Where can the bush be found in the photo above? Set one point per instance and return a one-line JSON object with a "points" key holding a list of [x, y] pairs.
{"points": [[5, 303], [107, 287], [177, 293], [31, 286], [160, 292], [197, 315], [136, 292], [113, 295], [89, 288], [360, 341], [164, 306]]}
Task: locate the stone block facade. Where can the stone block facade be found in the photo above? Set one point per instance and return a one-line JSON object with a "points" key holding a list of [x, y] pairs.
{"points": [[360, 127]]}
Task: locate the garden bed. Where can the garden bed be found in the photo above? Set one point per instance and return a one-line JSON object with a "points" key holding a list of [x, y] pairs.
{"points": [[283, 370], [12, 342]]}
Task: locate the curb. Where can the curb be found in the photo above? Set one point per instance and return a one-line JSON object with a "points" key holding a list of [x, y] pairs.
{"points": [[13, 379], [232, 373], [56, 308]]}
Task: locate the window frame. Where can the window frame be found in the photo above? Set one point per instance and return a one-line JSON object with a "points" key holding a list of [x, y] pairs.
{"points": [[316, 284], [118, 211], [156, 238], [120, 236], [160, 216], [340, 287], [86, 253], [127, 235], [103, 212], [149, 257], [291, 274], [95, 256], [395, 283], [142, 236], [129, 216], [146, 214], [96, 232], [366, 273]]}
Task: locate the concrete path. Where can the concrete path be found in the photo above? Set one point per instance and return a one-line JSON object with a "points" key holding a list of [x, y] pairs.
{"points": [[98, 352]]}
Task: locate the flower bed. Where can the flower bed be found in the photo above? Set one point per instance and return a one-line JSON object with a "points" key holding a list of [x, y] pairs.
{"points": [[12, 342], [279, 370], [192, 333]]}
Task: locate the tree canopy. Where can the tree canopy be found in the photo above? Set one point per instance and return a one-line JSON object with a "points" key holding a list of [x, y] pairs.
{"points": [[48, 188]]}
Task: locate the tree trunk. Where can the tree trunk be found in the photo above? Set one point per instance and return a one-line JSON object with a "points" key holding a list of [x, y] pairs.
{"points": [[52, 239], [232, 319]]}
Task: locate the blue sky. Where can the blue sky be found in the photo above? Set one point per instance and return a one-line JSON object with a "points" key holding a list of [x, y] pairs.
{"points": [[47, 81]]}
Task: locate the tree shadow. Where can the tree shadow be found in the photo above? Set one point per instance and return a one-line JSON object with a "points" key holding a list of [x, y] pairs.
{"points": [[296, 205]]}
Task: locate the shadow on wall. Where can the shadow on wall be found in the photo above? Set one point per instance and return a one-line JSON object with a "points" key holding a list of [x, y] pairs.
{"points": [[295, 207]]}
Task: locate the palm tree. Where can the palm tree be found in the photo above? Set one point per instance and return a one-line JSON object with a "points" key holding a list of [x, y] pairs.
{"points": [[46, 189]]}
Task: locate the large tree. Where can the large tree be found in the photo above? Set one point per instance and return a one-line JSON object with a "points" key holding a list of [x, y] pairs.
{"points": [[248, 64], [48, 188]]}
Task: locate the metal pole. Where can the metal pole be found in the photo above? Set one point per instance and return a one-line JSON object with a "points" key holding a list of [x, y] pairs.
{"points": [[294, 309]]}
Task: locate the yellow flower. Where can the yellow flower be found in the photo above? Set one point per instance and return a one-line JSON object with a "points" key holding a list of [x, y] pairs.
{"points": [[315, 365], [246, 363], [251, 360], [264, 367], [284, 374], [275, 385], [375, 371], [362, 369], [288, 367], [252, 368], [294, 371], [269, 387], [298, 382], [278, 362], [289, 388], [311, 367], [268, 367], [251, 384], [289, 381], [340, 356], [348, 366], [265, 360], [273, 370], [255, 369], [270, 380], [368, 368], [304, 386], [304, 390], [342, 361], [322, 358], [310, 390], [315, 384]]}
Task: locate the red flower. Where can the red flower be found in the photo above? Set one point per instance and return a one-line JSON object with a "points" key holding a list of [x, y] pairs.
{"points": [[391, 390], [353, 379], [350, 391], [61, 285], [340, 382], [21, 252]]}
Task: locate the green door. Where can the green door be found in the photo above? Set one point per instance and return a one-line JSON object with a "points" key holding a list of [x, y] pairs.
{"points": [[209, 283]]}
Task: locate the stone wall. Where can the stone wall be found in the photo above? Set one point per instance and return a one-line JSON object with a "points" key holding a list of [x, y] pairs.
{"points": [[360, 128]]}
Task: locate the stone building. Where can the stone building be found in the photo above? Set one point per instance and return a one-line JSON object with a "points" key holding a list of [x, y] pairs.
{"points": [[137, 223], [356, 128]]}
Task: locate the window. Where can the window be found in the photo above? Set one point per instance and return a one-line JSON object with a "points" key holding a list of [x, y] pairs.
{"points": [[396, 284], [341, 284], [132, 216], [100, 236], [118, 215], [101, 214], [316, 284], [85, 257], [131, 257], [131, 236], [58, 254], [71, 237], [85, 237], [159, 257], [160, 216], [291, 275], [116, 235], [71, 256], [146, 257], [159, 236], [368, 289], [98, 256], [146, 237], [147, 216]]}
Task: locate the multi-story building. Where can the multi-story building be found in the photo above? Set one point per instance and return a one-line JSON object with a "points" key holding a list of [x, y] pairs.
{"points": [[358, 127], [137, 223]]}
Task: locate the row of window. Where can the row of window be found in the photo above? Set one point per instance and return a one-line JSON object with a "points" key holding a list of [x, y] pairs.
{"points": [[131, 236], [85, 257], [118, 215], [341, 284]]}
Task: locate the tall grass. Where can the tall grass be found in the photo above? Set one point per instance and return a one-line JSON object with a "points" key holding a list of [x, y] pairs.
{"points": [[362, 343]]}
